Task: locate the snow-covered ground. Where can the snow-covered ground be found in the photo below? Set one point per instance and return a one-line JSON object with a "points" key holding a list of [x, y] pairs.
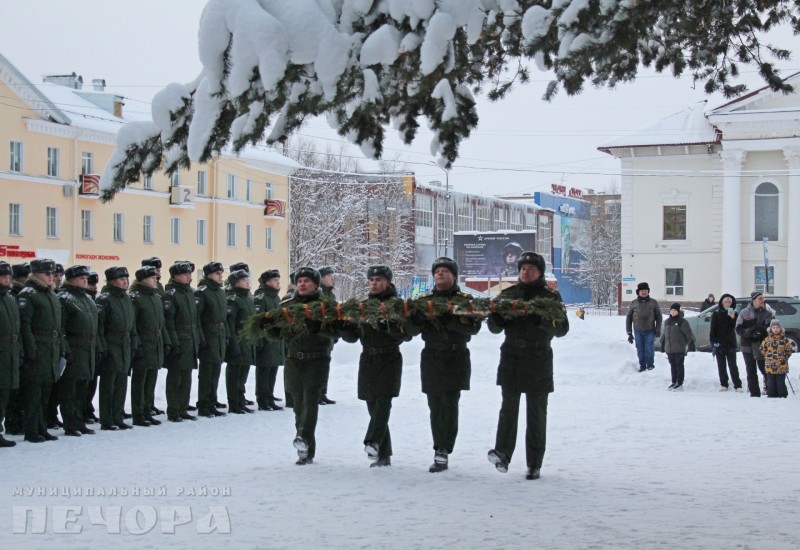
{"points": [[629, 465]]}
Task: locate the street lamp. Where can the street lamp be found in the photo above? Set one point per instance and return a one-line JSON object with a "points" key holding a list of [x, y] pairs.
{"points": [[448, 197]]}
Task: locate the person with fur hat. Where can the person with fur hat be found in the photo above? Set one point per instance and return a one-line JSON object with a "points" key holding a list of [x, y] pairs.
{"points": [[15, 411], [776, 349], [58, 277], [79, 320], [155, 262], [643, 325], [380, 366], [240, 353], [308, 360], [269, 354], [212, 312], [180, 315], [526, 366], [9, 346], [42, 346], [676, 340], [119, 339], [722, 336], [752, 327], [155, 345], [91, 388], [445, 366], [19, 276], [326, 275]]}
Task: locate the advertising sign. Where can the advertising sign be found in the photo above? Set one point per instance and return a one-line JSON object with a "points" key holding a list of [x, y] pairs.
{"points": [[491, 254]]}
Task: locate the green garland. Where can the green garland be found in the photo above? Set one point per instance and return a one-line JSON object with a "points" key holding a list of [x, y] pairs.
{"points": [[289, 322]]}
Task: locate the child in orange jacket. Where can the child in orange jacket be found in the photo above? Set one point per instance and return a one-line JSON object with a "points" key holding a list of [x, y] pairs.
{"points": [[776, 349]]}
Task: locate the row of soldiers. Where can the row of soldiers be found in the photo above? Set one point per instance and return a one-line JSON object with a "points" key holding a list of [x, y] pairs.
{"points": [[185, 329]]}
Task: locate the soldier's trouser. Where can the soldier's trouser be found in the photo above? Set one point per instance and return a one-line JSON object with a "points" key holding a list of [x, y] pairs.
{"points": [[142, 381], [244, 373], [113, 390], [4, 395], [306, 412], [265, 385], [207, 382], [378, 429], [535, 432], [150, 391], [36, 395], [288, 396], [179, 389], [444, 419], [72, 394], [15, 417], [91, 390], [53, 402]]}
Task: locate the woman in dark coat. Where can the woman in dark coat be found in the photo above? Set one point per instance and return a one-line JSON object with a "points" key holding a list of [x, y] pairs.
{"points": [[723, 342], [708, 302]]}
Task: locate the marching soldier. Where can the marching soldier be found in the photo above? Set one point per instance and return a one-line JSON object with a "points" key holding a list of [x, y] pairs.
{"points": [[19, 276], [308, 360], [326, 289], [526, 366], [79, 321], [154, 344], [244, 267], [240, 353], [380, 367], [212, 313], [288, 296], [445, 365], [91, 389], [269, 354], [155, 262], [292, 288], [180, 312], [58, 277], [43, 346], [15, 412], [120, 341], [9, 346]]}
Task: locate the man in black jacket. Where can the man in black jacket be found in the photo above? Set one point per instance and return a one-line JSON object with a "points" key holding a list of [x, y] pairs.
{"points": [[723, 341]]}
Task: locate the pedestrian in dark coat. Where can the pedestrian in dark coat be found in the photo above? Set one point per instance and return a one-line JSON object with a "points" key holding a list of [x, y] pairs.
{"points": [[180, 314], [722, 336], [752, 327], [445, 366], [643, 325], [154, 345], [240, 354], [269, 354], [380, 367], [214, 334], [10, 350], [676, 340], [708, 302], [79, 321], [43, 346], [526, 366]]}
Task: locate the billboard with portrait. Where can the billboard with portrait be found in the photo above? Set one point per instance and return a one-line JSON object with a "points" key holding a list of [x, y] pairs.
{"points": [[491, 254]]}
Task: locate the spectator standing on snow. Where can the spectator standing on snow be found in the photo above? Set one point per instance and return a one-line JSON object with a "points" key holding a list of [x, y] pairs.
{"points": [[751, 326], [723, 341], [776, 349], [708, 302], [676, 340], [643, 324]]}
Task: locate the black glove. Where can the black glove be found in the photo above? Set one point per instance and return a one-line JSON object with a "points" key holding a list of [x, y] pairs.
{"points": [[630, 338], [498, 319], [138, 352], [535, 319], [167, 350], [692, 347], [313, 326], [342, 324], [418, 318], [759, 332], [446, 318], [99, 356], [657, 332]]}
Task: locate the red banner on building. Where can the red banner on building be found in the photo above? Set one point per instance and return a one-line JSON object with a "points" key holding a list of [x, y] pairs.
{"points": [[90, 184], [275, 207]]}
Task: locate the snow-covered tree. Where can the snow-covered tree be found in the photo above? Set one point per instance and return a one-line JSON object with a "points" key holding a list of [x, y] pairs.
{"points": [[370, 64]]}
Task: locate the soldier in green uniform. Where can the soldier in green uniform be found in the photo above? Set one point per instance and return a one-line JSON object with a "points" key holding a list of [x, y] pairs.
{"points": [[155, 262], [288, 296], [526, 366], [53, 402], [380, 367], [79, 322], [180, 312], [120, 341], [154, 344], [236, 267], [445, 366], [58, 277], [269, 354], [91, 389], [326, 289], [9, 346], [15, 411], [43, 346], [240, 353], [308, 361], [213, 314]]}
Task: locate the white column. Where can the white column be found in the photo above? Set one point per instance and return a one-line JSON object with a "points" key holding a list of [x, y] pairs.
{"points": [[732, 222], [793, 226]]}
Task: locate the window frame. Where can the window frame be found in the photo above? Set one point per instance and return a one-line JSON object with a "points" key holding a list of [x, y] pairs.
{"points": [[201, 232], [51, 222], [269, 245], [16, 157], [202, 183], [87, 162], [147, 229], [15, 216], [87, 225], [118, 227], [230, 234], [674, 224], [53, 161], [672, 290], [175, 230], [230, 186]]}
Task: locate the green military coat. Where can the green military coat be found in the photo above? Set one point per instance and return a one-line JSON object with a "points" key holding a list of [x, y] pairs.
{"points": [[180, 313], [117, 328], [40, 327], [79, 321], [268, 353], [9, 340], [240, 308], [526, 359], [213, 314], [150, 326]]}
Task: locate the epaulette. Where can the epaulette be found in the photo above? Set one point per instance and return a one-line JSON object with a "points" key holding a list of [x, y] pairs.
{"points": [[103, 296], [465, 295], [287, 300], [171, 292], [232, 297], [201, 288], [426, 295]]}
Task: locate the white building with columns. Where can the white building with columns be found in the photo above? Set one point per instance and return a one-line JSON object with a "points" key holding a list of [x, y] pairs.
{"points": [[711, 200]]}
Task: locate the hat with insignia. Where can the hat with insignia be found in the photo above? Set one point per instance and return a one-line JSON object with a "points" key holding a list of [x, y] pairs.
{"points": [[154, 261], [20, 270], [145, 272], [59, 269], [327, 270], [94, 278], [239, 265], [269, 274], [293, 277], [379, 271], [447, 263], [75, 271], [212, 267], [180, 267], [5, 269], [43, 266], [309, 273], [532, 258], [190, 262], [116, 273], [236, 276]]}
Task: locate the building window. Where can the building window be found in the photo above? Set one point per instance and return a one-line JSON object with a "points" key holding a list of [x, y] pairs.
{"points": [[500, 222], [544, 240], [248, 191], [674, 281], [482, 222], [147, 228], [270, 190], [269, 238], [675, 223], [14, 219], [762, 283], [148, 182], [231, 237], [87, 163], [464, 220], [248, 236], [201, 232], [530, 220], [87, 225], [119, 227], [53, 161], [175, 230], [423, 210], [231, 186], [516, 220], [52, 222], [444, 228], [202, 183], [175, 179], [767, 212], [16, 157]]}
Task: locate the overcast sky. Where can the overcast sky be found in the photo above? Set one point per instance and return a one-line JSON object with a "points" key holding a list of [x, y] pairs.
{"points": [[521, 145]]}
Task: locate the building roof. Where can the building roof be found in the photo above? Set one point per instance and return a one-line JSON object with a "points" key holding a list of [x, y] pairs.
{"points": [[442, 190]]}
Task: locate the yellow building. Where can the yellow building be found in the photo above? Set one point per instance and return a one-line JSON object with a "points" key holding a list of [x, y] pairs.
{"points": [[60, 135]]}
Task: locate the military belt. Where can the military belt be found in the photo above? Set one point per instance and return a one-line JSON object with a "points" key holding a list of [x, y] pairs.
{"points": [[184, 328], [217, 326], [50, 333], [84, 336], [148, 332], [119, 334], [446, 347], [381, 351], [308, 356], [9, 338], [525, 344]]}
